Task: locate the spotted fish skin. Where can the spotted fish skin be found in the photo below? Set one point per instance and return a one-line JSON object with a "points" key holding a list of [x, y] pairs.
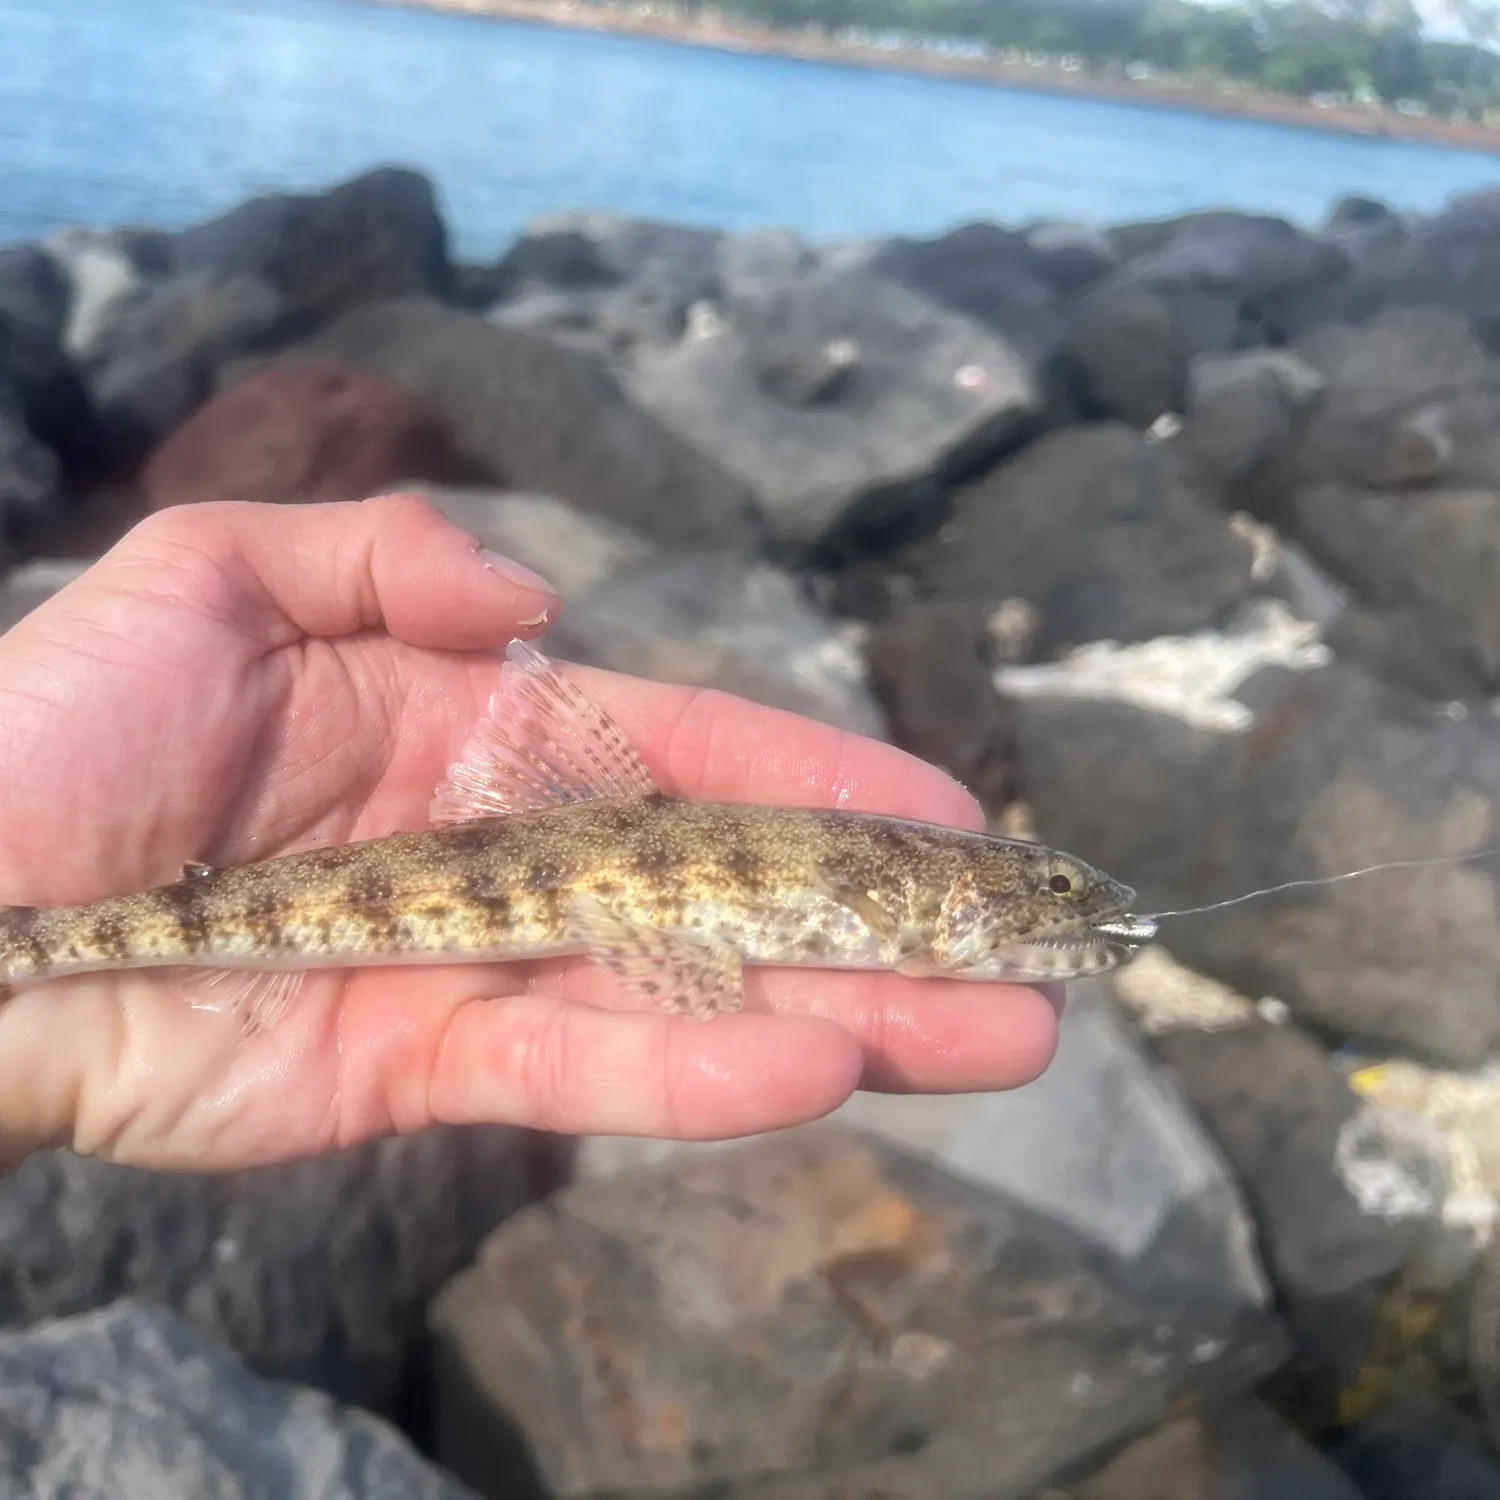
{"points": [[553, 839], [782, 886]]}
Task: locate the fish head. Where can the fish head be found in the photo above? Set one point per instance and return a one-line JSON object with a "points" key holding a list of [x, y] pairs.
{"points": [[1032, 913]]}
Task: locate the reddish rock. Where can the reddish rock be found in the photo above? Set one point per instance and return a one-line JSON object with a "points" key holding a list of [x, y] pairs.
{"points": [[300, 432]]}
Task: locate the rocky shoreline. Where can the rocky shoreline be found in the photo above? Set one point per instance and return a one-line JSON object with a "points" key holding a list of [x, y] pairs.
{"points": [[1176, 541]]}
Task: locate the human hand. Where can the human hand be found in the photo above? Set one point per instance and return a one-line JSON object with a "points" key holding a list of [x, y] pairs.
{"points": [[235, 681]]}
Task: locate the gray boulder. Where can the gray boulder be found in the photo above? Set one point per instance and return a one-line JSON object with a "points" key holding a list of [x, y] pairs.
{"points": [[372, 238], [159, 354], [130, 1403], [1103, 533], [1231, 1450], [814, 1309], [1424, 558], [1103, 1145], [33, 583], [318, 1271], [840, 400], [1196, 773], [1343, 1193], [547, 420], [727, 621]]}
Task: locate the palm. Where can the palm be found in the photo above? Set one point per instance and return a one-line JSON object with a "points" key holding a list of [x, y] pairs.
{"points": [[208, 693]]}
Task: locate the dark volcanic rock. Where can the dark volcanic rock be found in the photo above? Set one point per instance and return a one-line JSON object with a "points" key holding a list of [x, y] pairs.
{"points": [[812, 1304], [38, 386], [1243, 412], [1130, 356], [726, 621], [375, 237], [1378, 380], [317, 1272], [1231, 1451], [1415, 1458], [841, 400], [932, 668], [1341, 1197], [1442, 260], [30, 480], [1334, 772], [1429, 557], [151, 364], [986, 273], [299, 433], [552, 420], [1096, 528], [129, 1403]]}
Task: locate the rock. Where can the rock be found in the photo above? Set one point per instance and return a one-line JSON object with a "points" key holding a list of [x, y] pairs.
{"points": [[1403, 1458], [840, 400], [931, 667], [761, 263], [1243, 412], [152, 365], [1376, 377], [812, 1306], [552, 420], [1443, 260], [38, 385], [30, 480], [1069, 256], [1342, 1191], [1278, 280], [23, 588], [991, 275], [129, 1403], [726, 621], [572, 550], [376, 237], [1104, 1145], [626, 248], [1393, 645], [103, 278], [299, 433], [1233, 1450], [1096, 528], [1129, 357], [1196, 771], [1427, 557], [606, 284], [317, 1272]]}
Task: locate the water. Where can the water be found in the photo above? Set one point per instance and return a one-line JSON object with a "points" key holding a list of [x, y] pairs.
{"points": [[162, 112]]}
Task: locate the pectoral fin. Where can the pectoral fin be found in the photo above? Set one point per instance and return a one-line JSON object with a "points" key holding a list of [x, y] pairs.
{"points": [[680, 973], [258, 997]]}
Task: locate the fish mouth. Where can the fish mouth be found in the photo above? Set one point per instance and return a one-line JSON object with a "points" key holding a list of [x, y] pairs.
{"points": [[1076, 954]]}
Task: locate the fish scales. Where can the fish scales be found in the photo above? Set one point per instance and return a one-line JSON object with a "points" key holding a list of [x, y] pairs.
{"points": [[756, 877]]}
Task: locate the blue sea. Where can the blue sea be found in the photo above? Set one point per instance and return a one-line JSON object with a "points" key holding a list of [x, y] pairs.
{"points": [[163, 112]]}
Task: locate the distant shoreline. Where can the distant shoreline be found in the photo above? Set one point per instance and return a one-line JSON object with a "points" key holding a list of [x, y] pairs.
{"points": [[716, 34]]}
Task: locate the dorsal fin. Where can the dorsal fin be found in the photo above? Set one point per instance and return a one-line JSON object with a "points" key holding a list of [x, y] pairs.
{"points": [[540, 743]]}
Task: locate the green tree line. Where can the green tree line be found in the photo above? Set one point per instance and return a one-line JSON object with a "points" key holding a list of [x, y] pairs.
{"points": [[1362, 49]]}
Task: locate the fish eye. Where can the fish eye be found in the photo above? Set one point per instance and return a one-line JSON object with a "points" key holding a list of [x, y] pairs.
{"points": [[1065, 879]]}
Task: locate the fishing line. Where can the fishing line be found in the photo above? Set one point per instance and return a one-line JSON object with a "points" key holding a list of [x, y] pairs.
{"points": [[1322, 880]]}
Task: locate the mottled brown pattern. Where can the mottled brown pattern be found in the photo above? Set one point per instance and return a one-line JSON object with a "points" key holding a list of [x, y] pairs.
{"points": [[779, 885]]}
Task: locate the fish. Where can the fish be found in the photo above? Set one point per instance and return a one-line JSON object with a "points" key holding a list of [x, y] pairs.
{"points": [[550, 837]]}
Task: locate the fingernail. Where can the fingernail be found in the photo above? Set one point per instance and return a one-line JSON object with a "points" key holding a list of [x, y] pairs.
{"points": [[514, 574]]}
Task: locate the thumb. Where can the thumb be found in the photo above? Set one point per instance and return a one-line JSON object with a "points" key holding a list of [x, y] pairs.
{"points": [[394, 562]]}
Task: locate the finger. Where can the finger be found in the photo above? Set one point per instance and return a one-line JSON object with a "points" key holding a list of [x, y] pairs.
{"points": [[394, 562], [934, 1036], [577, 1070], [714, 747]]}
